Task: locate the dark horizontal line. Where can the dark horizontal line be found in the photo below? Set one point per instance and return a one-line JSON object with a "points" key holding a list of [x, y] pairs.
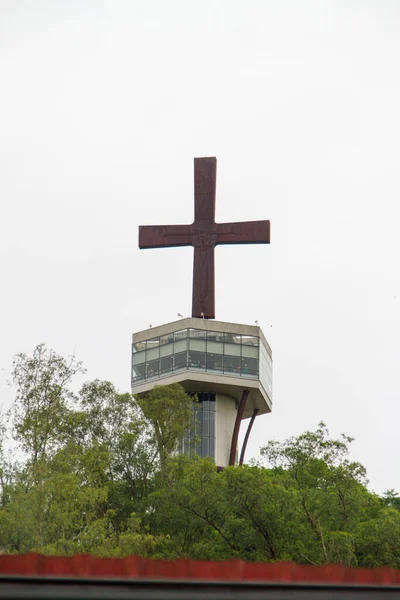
{"points": [[36, 587]]}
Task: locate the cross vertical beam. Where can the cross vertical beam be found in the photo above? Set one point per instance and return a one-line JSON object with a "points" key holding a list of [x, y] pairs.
{"points": [[205, 179]]}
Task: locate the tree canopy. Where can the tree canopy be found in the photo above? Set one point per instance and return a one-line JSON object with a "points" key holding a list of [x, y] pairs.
{"points": [[98, 471]]}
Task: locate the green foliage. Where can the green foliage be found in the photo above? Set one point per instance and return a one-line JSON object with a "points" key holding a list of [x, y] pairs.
{"points": [[42, 398], [169, 410], [331, 495], [391, 498], [378, 540], [101, 474]]}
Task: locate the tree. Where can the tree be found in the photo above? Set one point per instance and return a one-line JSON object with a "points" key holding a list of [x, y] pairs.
{"points": [[169, 411], [102, 474], [378, 540], [43, 395], [391, 498], [332, 498], [265, 508], [241, 512], [189, 505]]}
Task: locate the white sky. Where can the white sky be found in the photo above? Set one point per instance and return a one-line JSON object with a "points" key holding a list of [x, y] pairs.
{"points": [[103, 106]]}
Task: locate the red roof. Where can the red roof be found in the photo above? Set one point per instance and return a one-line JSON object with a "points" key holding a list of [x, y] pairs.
{"points": [[134, 567]]}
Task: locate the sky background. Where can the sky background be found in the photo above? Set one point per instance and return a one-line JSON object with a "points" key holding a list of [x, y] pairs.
{"points": [[103, 106]]}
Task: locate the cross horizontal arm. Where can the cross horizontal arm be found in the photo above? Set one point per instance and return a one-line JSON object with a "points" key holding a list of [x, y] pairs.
{"points": [[247, 232], [158, 236]]}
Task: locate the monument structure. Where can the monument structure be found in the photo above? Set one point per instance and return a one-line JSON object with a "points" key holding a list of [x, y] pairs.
{"points": [[227, 365]]}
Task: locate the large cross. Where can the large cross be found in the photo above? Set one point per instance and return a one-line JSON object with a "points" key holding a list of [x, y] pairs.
{"points": [[204, 234]]}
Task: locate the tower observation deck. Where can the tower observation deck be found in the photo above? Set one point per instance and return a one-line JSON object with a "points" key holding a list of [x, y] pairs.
{"points": [[215, 360]]}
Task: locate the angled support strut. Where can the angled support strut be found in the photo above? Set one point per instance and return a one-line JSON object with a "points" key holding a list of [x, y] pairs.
{"points": [[246, 437], [235, 435]]}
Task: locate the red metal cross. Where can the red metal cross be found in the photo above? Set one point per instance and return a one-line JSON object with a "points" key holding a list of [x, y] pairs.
{"points": [[204, 234]]}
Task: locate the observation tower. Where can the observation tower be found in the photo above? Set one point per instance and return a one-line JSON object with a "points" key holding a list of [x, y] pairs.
{"points": [[227, 365]]}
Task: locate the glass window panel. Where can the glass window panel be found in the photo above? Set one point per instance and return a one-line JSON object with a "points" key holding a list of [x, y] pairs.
{"points": [[139, 357], [197, 334], [205, 446], [200, 436], [166, 350], [139, 370], [232, 338], [266, 369], [206, 423], [249, 366], [152, 368], [249, 340], [214, 362], [197, 360], [152, 354], [180, 346], [232, 349], [199, 425], [180, 360], [232, 364], [166, 339], [212, 423], [166, 364], [197, 345], [229, 363], [180, 335], [215, 336], [215, 347], [138, 346], [212, 447], [250, 351], [245, 367], [153, 343]]}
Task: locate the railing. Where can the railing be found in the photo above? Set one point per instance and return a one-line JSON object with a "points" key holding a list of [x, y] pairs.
{"points": [[161, 373]]}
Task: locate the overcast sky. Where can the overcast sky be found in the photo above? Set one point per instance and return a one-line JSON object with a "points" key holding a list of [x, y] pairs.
{"points": [[103, 106]]}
